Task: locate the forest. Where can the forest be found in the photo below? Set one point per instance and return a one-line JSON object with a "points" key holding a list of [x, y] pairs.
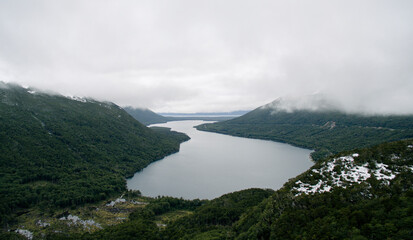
{"points": [[57, 152], [325, 132], [371, 209], [61, 155]]}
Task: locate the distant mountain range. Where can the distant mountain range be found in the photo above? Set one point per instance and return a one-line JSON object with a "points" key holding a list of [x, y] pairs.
{"points": [[322, 128], [148, 117], [210, 114]]}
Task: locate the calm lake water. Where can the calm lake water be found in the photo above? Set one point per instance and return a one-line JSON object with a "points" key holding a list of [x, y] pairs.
{"points": [[210, 165]]}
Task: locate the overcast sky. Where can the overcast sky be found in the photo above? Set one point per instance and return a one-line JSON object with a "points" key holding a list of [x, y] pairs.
{"points": [[210, 56]]}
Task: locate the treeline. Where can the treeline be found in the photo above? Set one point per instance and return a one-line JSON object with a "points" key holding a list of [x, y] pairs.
{"points": [[209, 218], [57, 152], [327, 132], [369, 210], [214, 220], [148, 117]]}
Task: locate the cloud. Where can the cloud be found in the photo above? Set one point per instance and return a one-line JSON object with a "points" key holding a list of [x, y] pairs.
{"points": [[198, 56], [313, 102]]}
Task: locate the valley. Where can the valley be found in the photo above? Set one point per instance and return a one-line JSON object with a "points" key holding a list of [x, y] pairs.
{"points": [[218, 164], [65, 162], [372, 199], [58, 152], [206, 120]]}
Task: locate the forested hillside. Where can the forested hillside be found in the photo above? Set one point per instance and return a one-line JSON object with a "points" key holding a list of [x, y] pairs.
{"points": [[361, 194], [326, 131], [146, 116], [60, 152]]}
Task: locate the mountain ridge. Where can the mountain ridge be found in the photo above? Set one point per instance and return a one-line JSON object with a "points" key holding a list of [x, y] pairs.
{"points": [[60, 152], [326, 131], [148, 117]]}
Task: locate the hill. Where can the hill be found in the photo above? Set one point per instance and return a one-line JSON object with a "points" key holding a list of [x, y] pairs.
{"points": [[362, 194], [359, 194], [325, 130], [57, 151], [146, 116]]}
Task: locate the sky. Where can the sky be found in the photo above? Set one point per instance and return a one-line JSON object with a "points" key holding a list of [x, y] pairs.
{"points": [[213, 56]]}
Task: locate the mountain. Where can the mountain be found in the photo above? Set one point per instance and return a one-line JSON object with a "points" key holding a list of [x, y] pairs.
{"points": [[322, 128], [359, 194], [48, 161], [146, 116], [57, 151], [207, 114]]}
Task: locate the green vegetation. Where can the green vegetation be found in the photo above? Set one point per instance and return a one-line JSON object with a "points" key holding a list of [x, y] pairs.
{"points": [[173, 218], [327, 132], [57, 152], [216, 217], [372, 209], [144, 222], [146, 116], [63, 166]]}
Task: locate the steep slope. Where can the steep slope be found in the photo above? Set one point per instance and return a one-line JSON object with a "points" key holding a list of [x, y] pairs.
{"points": [[145, 116], [325, 130], [58, 152], [364, 194]]}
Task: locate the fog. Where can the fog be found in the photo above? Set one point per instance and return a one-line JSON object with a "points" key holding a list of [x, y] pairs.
{"points": [[211, 56]]}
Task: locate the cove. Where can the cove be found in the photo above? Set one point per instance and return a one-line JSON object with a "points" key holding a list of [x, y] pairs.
{"points": [[210, 165]]}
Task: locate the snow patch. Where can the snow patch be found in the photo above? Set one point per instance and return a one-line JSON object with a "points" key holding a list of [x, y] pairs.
{"points": [[394, 157], [330, 125], [308, 188], [42, 224], [410, 146], [119, 200], [382, 173], [139, 203], [26, 233], [75, 220], [79, 99], [31, 92], [343, 171]]}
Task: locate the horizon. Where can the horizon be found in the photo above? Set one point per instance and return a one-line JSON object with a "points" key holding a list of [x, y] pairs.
{"points": [[212, 56], [312, 103]]}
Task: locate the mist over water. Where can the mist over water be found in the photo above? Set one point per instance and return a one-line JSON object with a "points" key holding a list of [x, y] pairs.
{"points": [[210, 165]]}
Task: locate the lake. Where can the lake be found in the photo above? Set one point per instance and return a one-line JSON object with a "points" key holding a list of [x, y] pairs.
{"points": [[210, 165]]}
